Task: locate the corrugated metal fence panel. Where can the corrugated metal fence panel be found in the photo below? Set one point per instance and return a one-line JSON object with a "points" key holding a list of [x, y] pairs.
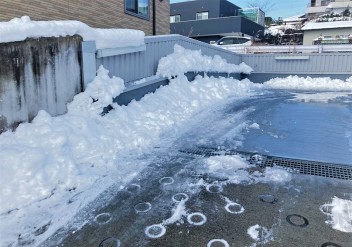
{"points": [[323, 63], [138, 65]]}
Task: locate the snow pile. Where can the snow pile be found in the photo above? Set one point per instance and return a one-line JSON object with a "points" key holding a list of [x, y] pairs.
{"points": [[323, 97], [43, 161], [308, 83], [183, 60], [19, 29], [52, 153], [260, 234], [254, 126], [100, 92], [178, 213], [234, 167], [277, 175], [226, 163], [339, 212], [278, 30]]}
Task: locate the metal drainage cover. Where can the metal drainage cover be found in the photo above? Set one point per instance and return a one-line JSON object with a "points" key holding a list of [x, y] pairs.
{"points": [[311, 167], [315, 168]]}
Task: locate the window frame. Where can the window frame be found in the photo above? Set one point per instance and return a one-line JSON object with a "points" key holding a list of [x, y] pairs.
{"points": [[203, 12], [179, 18], [138, 15]]}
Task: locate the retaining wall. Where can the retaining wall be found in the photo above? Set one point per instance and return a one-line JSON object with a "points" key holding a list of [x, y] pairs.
{"points": [[37, 74]]}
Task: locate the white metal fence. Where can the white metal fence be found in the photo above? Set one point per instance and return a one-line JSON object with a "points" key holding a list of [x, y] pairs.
{"points": [[289, 49]]}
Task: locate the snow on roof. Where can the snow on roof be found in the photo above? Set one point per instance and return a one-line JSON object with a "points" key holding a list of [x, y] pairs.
{"points": [[294, 18], [327, 25], [19, 29]]}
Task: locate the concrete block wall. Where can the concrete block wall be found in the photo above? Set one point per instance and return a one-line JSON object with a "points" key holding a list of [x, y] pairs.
{"points": [[100, 14]]}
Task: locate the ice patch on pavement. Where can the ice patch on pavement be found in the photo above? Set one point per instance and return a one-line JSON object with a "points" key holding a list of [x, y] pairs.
{"points": [[339, 213]]}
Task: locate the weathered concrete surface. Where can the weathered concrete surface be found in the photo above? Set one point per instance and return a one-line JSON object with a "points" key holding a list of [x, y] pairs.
{"points": [[38, 74]]}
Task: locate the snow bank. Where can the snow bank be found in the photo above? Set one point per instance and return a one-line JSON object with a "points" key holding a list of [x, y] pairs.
{"points": [[340, 214], [323, 97], [19, 29], [46, 159], [183, 60], [308, 83]]}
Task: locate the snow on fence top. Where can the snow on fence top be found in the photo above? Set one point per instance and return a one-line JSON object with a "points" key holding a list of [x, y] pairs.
{"points": [[183, 60], [19, 29]]}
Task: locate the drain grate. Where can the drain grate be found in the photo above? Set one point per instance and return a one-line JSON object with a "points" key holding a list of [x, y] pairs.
{"points": [[311, 167], [308, 167]]}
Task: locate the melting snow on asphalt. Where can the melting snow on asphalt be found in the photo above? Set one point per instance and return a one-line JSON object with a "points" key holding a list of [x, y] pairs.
{"points": [[260, 234], [339, 213]]}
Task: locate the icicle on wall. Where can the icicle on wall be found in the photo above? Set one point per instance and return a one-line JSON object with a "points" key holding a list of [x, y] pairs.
{"points": [[37, 74]]}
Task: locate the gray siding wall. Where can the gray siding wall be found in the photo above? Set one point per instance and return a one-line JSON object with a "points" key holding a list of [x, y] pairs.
{"points": [[233, 24], [138, 65], [188, 10]]}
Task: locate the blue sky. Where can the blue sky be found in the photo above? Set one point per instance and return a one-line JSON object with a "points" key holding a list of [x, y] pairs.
{"points": [[282, 8]]}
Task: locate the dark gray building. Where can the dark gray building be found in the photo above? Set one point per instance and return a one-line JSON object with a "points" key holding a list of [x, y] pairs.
{"points": [[209, 20]]}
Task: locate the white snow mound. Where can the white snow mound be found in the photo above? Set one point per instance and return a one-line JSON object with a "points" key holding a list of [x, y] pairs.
{"points": [[183, 60], [19, 29]]}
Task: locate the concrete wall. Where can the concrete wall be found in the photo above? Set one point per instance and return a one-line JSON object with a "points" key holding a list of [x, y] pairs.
{"points": [[310, 35], [38, 74], [102, 14]]}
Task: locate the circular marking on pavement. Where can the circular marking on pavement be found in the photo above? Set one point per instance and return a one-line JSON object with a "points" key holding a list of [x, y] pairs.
{"points": [[297, 220], [268, 198], [142, 207], [110, 242], [179, 197], [223, 242], [196, 219], [329, 244], [166, 180], [103, 218], [214, 188], [132, 188], [234, 208], [155, 231]]}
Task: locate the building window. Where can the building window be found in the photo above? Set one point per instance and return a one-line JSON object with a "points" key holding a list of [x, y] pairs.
{"points": [[139, 8], [202, 15], [175, 18]]}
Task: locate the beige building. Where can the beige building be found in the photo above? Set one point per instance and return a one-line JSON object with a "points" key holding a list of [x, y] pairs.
{"points": [[133, 14], [313, 30], [320, 7]]}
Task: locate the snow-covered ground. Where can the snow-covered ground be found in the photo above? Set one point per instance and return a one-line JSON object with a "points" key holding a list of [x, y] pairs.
{"points": [[46, 162]]}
